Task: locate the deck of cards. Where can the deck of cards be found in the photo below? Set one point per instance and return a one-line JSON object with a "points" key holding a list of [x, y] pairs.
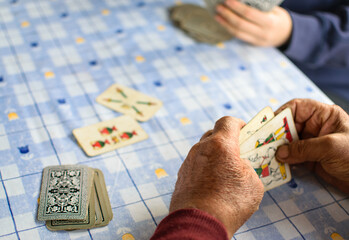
{"points": [[259, 140], [73, 197], [198, 23]]}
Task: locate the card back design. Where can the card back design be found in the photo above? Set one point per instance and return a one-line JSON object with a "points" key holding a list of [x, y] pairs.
{"points": [[64, 193]]}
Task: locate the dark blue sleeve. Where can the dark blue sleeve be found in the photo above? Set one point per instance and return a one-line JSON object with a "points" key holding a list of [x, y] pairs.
{"points": [[320, 39]]}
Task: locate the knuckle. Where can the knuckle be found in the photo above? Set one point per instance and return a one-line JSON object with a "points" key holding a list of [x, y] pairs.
{"points": [[296, 100], [300, 148], [248, 13], [331, 141], [238, 24], [224, 121], [270, 22], [337, 109], [195, 148], [267, 39], [217, 142]]}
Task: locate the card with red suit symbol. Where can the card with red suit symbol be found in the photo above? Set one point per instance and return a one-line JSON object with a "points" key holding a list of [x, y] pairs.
{"points": [[109, 135], [271, 172], [261, 138], [280, 127]]}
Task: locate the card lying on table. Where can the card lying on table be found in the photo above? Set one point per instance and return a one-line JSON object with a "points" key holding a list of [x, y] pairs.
{"points": [[74, 197], [109, 135], [259, 141], [129, 101]]}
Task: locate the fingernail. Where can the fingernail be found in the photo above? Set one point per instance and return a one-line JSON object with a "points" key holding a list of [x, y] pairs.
{"points": [[282, 152]]}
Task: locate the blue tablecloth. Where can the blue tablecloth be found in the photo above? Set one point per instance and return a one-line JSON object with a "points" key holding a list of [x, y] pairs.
{"points": [[56, 57]]}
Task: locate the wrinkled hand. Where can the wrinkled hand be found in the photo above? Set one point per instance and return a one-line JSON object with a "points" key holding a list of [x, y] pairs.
{"points": [[324, 134], [258, 28], [215, 179]]}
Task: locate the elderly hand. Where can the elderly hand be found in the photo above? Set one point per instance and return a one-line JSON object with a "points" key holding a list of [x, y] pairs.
{"points": [[324, 134], [215, 179], [258, 28]]}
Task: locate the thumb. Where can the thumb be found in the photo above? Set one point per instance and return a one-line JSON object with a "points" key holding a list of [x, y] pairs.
{"points": [[308, 150]]}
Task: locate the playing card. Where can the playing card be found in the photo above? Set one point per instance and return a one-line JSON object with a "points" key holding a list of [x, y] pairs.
{"points": [[265, 115], [280, 127], [129, 101], [109, 135], [103, 199], [198, 23], [65, 193], [98, 208], [263, 5], [271, 172], [211, 5], [87, 223]]}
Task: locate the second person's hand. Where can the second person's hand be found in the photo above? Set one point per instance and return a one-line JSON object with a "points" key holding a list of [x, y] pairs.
{"points": [[324, 140], [258, 28]]}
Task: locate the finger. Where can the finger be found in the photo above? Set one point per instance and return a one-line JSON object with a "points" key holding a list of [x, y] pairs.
{"points": [[238, 34], [228, 127], [308, 150], [314, 118], [238, 23], [206, 134], [249, 13]]}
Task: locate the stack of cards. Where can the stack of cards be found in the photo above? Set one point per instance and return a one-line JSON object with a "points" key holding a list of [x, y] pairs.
{"points": [[198, 23], [259, 140], [73, 197], [263, 5]]}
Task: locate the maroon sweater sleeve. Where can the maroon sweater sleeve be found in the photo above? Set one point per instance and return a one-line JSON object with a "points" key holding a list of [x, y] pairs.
{"points": [[190, 224]]}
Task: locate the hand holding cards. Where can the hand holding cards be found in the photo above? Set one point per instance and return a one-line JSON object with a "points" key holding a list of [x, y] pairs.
{"points": [[259, 140], [73, 197]]}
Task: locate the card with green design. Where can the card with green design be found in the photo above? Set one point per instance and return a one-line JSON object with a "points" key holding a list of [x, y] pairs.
{"points": [[130, 102]]}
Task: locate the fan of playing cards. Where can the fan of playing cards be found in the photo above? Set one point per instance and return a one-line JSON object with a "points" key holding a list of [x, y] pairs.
{"points": [[73, 197], [259, 140]]}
